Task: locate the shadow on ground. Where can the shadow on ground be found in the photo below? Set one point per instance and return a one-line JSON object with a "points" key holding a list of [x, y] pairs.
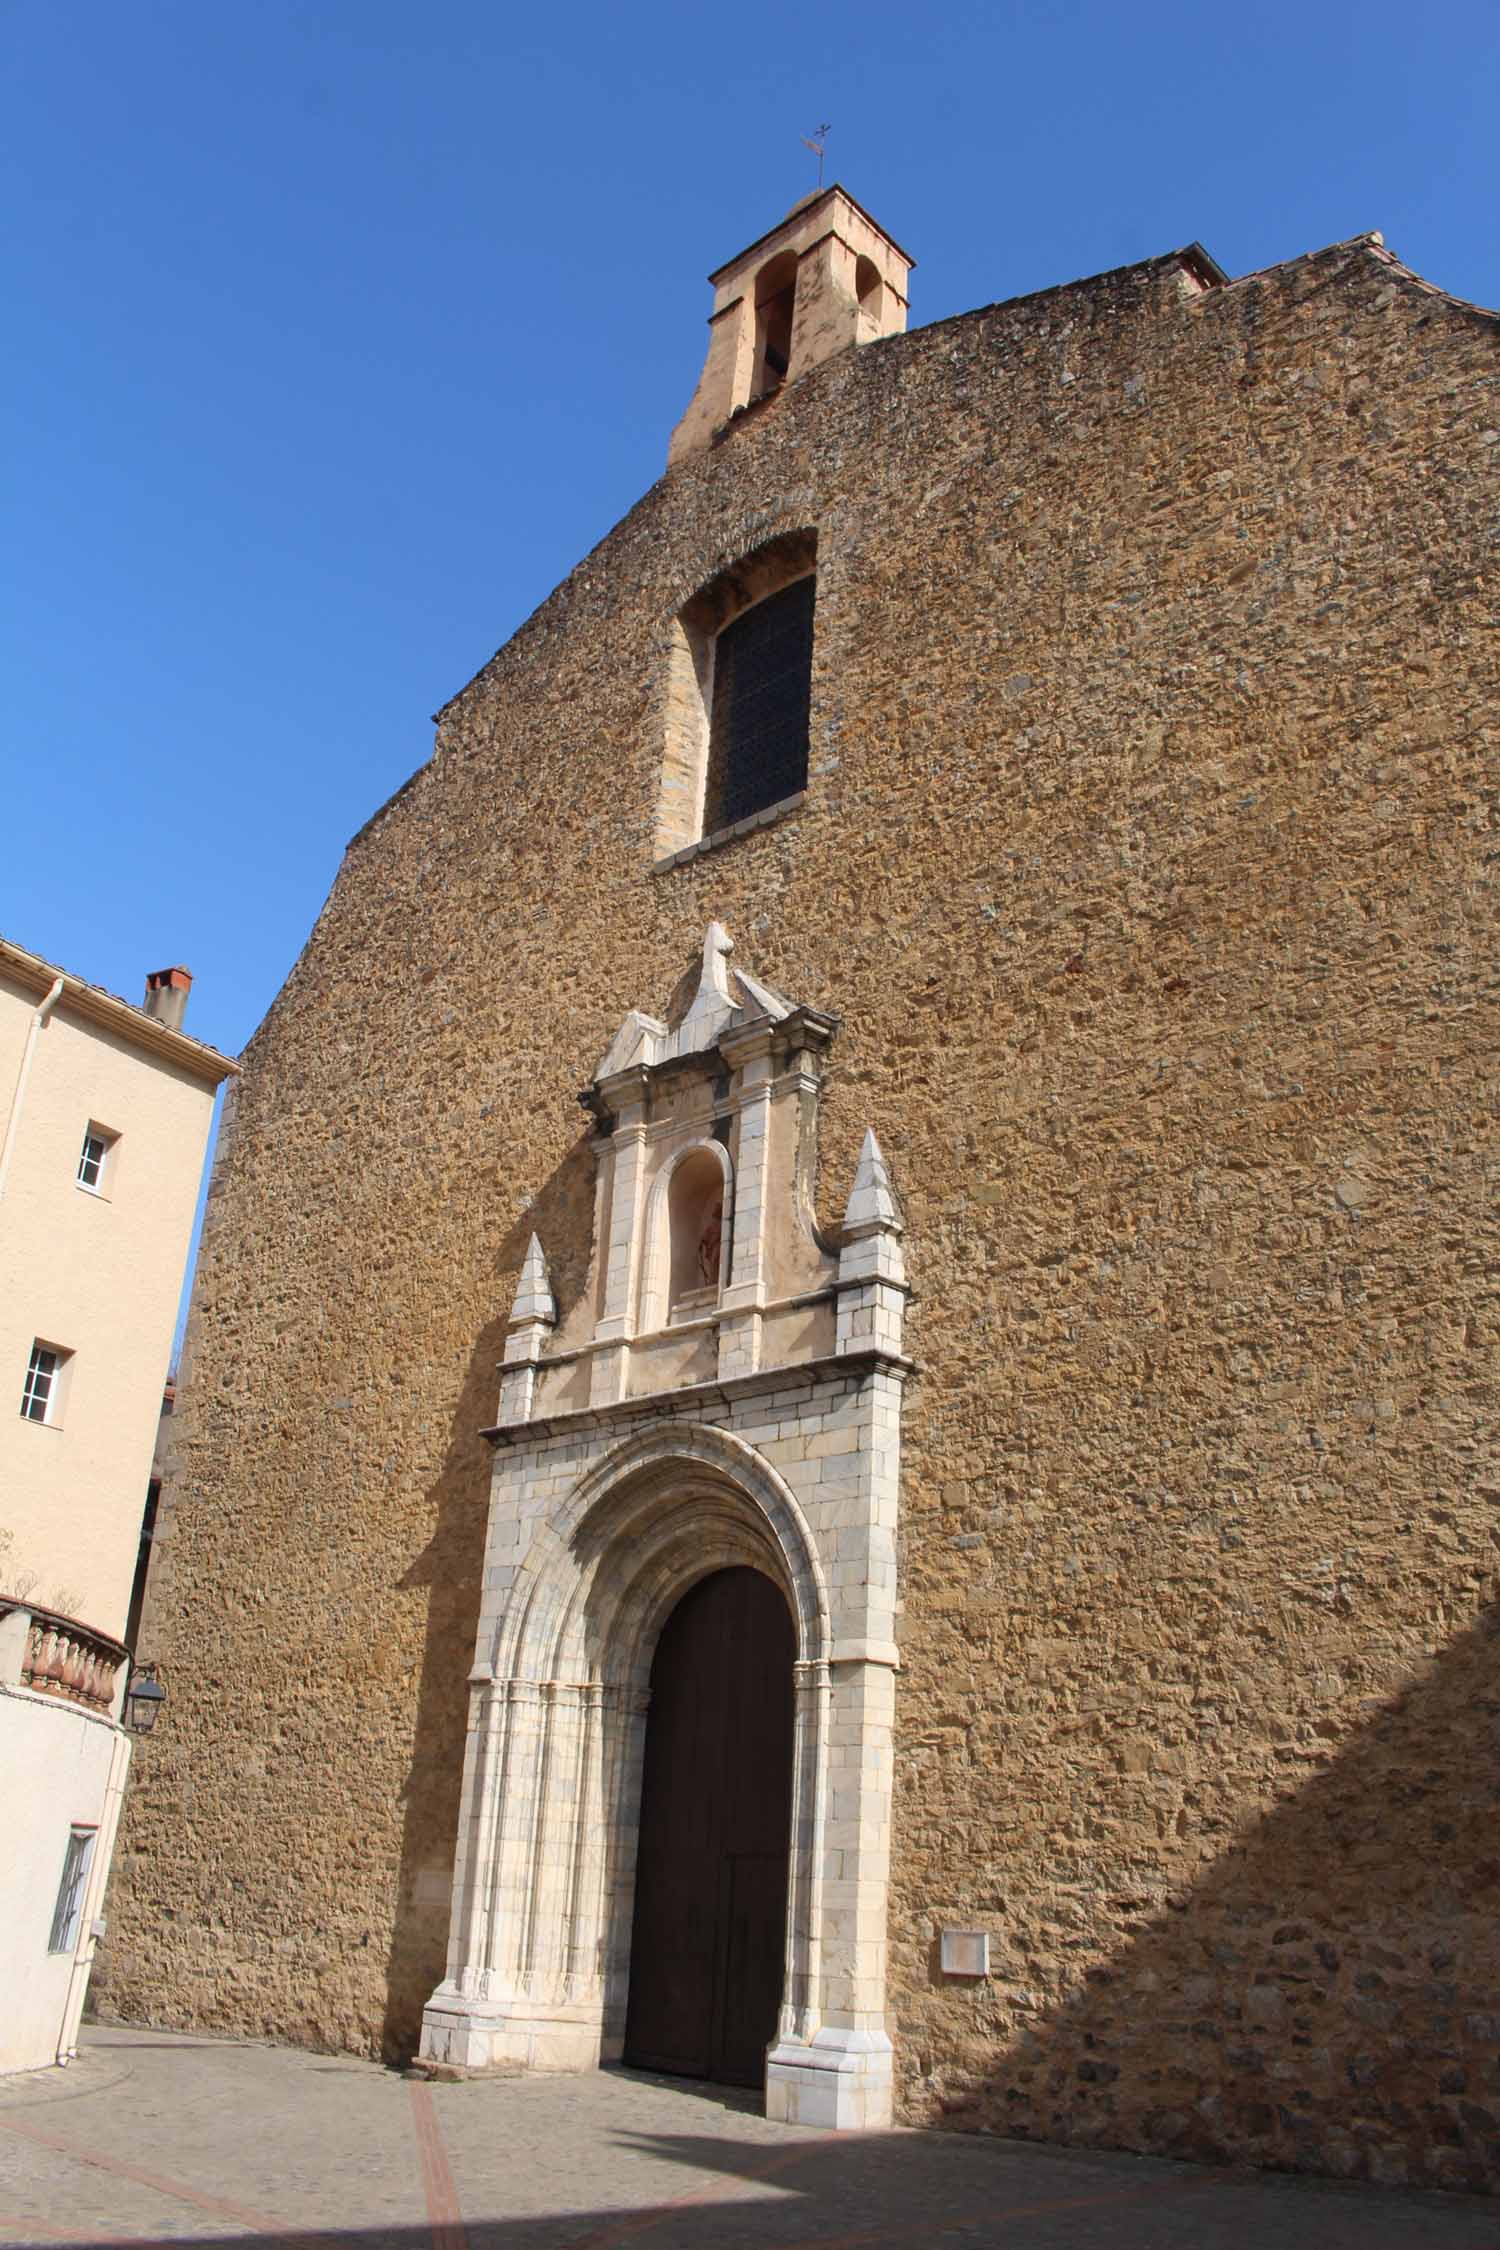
{"points": [[849, 2192]]}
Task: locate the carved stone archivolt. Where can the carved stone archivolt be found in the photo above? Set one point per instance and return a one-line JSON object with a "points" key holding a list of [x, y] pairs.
{"points": [[726, 1392]]}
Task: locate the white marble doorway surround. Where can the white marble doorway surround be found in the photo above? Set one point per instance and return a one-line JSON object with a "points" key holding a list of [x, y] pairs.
{"points": [[726, 1391]]}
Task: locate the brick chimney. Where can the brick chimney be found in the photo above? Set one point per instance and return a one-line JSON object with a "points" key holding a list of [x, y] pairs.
{"points": [[167, 996]]}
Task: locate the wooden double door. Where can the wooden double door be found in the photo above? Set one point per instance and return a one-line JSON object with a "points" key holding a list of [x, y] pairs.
{"points": [[707, 1950]]}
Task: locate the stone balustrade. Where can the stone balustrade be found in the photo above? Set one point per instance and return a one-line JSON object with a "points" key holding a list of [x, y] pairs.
{"points": [[59, 1656]]}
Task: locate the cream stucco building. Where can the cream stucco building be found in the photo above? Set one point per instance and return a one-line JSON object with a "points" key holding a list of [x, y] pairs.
{"points": [[102, 1139]]}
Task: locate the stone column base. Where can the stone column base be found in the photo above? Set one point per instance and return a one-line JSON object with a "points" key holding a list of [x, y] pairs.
{"points": [[840, 2080], [509, 2035]]}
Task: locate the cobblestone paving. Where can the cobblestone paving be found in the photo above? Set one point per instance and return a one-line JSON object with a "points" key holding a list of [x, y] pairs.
{"points": [[157, 2137]]}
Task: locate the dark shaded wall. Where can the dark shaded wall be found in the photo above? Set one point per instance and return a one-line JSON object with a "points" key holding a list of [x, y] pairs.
{"points": [[1148, 855]]}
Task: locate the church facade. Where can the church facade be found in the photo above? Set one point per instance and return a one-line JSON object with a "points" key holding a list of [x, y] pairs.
{"points": [[838, 1422]]}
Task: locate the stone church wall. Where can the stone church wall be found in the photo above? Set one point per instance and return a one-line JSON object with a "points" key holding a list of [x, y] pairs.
{"points": [[1148, 856]]}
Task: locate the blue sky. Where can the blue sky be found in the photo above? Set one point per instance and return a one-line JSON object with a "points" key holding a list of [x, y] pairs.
{"points": [[339, 333]]}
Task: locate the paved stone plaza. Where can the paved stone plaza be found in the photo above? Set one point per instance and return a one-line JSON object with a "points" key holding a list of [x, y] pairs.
{"points": [[157, 2137]]}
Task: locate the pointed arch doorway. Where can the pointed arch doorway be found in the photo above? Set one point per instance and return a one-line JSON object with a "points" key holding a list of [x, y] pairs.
{"points": [[708, 1944], [619, 1534]]}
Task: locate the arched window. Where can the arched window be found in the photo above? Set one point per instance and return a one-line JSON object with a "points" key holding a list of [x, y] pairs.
{"points": [[757, 737], [775, 303], [738, 702]]}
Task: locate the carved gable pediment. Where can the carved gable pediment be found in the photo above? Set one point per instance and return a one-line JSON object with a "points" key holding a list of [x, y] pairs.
{"points": [[726, 997], [706, 1261]]}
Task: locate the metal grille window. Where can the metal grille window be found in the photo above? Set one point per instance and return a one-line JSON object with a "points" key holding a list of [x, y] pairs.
{"points": [[757, 750], [91, 1161], [69, 1907]]}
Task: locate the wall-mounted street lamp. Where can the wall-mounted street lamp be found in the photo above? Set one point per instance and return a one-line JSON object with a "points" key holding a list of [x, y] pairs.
{"points": [[143, 1699]]}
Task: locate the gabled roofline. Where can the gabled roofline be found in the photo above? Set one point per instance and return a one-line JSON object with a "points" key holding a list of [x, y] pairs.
{"points": [[809, 203], [111, 1013], [1192, 256], [1203, 264], [1414, 280], [1372, 244]]}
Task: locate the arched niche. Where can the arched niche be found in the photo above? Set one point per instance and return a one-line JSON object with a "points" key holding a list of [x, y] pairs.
{"points": [[687, 1236]]}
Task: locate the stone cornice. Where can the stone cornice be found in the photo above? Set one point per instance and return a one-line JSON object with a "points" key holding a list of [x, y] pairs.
{"points": [[834, 193], [701, 1396]]}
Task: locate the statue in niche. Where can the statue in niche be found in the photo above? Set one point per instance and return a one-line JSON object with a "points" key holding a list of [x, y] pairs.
{"points": [[710, 1244]]}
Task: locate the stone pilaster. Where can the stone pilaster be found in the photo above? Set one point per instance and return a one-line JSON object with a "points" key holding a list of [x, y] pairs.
{"points": [[626, 1160], [752, 1055], [837, 2073]]}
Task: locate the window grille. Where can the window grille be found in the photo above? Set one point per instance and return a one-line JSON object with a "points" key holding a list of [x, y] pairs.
{"points": [[37, 1395], [762, 694], [69, 1907]]}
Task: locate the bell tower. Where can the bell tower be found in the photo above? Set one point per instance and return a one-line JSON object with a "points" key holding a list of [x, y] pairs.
{"points": [[827, 276]]}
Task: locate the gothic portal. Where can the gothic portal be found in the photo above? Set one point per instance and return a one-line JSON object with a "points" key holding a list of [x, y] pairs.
{"points": [[693, 1508]]}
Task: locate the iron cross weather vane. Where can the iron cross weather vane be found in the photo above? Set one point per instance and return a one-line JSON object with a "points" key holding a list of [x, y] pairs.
{"points": [[818, 144]]}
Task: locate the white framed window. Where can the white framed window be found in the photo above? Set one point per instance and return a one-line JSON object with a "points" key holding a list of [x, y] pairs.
{"points": [[95, 1157], [70, 1890], [41, 1393]]}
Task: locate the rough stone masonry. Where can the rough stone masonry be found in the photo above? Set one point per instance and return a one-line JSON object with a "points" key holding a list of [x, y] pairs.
{"points": [[1148, 855]]}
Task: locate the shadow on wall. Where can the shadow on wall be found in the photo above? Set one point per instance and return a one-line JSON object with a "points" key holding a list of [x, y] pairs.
{"points": [[451, 1568], [1325, 1998]]}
